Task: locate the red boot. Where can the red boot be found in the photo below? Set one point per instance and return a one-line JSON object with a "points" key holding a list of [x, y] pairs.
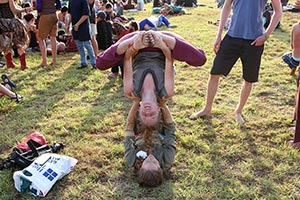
{"points": [[9, 60], [23, 61]]}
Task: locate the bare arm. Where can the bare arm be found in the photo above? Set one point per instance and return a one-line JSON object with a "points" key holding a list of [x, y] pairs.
{"points": [[275, 17], [128, 73], [131, 50], [80, 21], [224, 17], [131, 118], [165, 111], [169, 77], [17, 9], [169, 70], [273, 23]]}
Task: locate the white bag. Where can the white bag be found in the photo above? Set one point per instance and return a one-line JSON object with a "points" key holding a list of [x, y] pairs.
{"points": [[39, 177]]}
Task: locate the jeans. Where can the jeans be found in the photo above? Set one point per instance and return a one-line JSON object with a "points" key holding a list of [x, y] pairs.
{"points": [[82, 45], [162, 19], [143, 23]]}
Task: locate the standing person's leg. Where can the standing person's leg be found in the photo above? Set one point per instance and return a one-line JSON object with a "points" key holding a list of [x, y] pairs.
{"points": [[226, 57], [81, 50], [9, 60], [93, 38], [245, 93], [53, 44], [43, 31], [251, 59], [213, 83], [53, 33], [42, 45], [90, 51], [114, 72], [22, 57]]}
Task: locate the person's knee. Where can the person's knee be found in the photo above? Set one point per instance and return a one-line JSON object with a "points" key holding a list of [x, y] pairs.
{"points": [[214, 77], [247, 83]]}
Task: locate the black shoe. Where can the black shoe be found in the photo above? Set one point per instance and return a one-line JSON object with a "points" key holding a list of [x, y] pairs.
{"points": [[82, 66], [6, 80]]}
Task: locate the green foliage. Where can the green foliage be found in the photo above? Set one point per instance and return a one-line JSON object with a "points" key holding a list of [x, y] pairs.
{"points": [[216, 158]]}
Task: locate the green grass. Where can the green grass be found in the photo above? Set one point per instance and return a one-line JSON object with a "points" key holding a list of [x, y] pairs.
{"points": [[216, 158]]}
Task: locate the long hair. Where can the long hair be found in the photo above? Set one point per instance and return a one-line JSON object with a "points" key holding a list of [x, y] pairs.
{"points": [[149, 178]]}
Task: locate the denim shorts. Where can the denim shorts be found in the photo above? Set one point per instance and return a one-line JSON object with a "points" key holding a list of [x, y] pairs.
{"points": [[231, 50]]}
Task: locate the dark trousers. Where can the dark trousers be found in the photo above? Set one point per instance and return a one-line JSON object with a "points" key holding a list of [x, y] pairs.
{"points": [[118, 67]]}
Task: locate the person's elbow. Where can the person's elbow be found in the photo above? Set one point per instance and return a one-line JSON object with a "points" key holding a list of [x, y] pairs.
{"points": [[171, 93], [128, 91]]}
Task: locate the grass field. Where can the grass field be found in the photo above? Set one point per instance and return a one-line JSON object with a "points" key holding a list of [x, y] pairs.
{"points": [[216, 158]]}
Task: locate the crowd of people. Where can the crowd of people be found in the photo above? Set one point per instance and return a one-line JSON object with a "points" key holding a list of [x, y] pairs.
{"points": [[144, 58]]}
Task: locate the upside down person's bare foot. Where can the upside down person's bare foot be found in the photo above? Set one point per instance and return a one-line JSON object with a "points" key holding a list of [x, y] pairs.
{"points": [[239, 119], [200, 114], [148, 39]]}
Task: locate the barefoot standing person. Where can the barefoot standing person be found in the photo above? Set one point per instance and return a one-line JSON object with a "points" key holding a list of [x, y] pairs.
{"points": [[13, 32], [245, 40]]}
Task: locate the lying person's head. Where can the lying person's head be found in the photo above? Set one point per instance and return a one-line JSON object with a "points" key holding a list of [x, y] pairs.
{"points": [[150, 173]]}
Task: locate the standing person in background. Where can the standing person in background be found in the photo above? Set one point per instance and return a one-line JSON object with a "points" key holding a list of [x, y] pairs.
{"points": [[245, 40], [140, 5], [64, 19], [105, 32], [47, 27], [10, 25], [93, 26], [79, 10]]}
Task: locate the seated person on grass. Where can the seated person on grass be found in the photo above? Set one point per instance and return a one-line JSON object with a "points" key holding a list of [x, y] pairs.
{"points": [[292, 58], [6, 89], [154, 23]]}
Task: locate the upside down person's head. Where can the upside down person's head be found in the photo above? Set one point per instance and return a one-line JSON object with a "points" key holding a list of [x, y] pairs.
{"points": [[149, 113]]}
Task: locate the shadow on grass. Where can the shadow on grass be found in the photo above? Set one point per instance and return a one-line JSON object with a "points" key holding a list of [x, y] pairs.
{"points": [[128, 188]]}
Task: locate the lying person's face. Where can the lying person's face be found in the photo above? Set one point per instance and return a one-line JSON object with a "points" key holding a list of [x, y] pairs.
{"points": [[149, 113], [150, 163]]}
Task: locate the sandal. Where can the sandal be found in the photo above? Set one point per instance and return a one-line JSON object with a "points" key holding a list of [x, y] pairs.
{"points": [[6, 80], [17, 98]]}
